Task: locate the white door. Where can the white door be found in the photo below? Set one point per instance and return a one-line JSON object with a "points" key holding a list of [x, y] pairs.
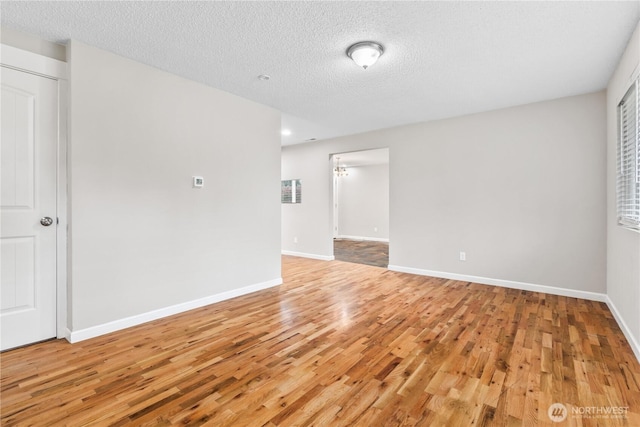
{"points": [[29, 135]]}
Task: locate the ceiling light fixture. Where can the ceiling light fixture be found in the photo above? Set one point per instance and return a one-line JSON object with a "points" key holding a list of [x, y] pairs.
{"points": [[365, 54]]}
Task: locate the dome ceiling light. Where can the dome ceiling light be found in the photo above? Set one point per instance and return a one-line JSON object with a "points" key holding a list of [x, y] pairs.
{"points": [[365, 54]]}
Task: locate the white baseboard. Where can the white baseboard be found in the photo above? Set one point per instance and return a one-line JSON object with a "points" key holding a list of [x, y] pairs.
{"points": [[361, 238], [633, 343], [592, 296], [312, 256], [127, 322]]}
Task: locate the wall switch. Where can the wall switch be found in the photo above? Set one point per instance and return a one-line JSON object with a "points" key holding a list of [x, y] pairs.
{"points": [[198, 181], [295, 240], [375, 229], [463, 256]]}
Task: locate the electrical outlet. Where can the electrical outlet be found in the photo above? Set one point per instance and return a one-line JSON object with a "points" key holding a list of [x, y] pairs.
{"points": [[463, 256]]}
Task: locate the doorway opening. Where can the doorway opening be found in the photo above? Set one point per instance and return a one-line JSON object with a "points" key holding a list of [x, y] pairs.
{"points": [[361, 207]]}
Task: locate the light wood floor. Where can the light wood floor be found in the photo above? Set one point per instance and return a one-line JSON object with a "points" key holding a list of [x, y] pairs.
{"points": [[339, 344]]}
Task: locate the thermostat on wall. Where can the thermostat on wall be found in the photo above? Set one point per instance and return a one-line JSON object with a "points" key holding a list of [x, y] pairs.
{"points": [[198, 181]]}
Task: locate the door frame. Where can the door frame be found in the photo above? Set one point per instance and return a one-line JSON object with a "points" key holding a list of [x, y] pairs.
{"points": [[33, 63]]}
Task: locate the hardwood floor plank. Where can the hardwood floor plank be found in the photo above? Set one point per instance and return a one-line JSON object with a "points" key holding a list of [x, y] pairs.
{"points": [[338, 344]]}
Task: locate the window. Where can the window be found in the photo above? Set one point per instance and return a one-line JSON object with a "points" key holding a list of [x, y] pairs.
{"points": [[291, 191], [628, 171]]}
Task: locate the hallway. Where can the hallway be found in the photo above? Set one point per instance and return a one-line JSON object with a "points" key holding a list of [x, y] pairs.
{"points": [[362, 252]]}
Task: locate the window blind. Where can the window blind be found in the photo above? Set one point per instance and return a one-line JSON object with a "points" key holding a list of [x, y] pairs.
{"points": [[628, 170], [291, 191]]}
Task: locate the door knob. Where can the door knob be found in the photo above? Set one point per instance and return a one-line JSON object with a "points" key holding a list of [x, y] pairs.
{"points": [[46, 221]]}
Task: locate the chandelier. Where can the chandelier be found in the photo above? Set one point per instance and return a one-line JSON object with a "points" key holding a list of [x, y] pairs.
{"points": [[340, 170]]}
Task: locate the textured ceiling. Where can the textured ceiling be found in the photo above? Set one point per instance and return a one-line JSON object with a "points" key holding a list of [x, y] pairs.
{"points": [[442, 59]]}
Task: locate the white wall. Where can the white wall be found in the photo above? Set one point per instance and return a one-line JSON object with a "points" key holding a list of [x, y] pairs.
{"points": [[141, 238], [32, 44], [520, 190], [623, 245], [363, 202]]}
